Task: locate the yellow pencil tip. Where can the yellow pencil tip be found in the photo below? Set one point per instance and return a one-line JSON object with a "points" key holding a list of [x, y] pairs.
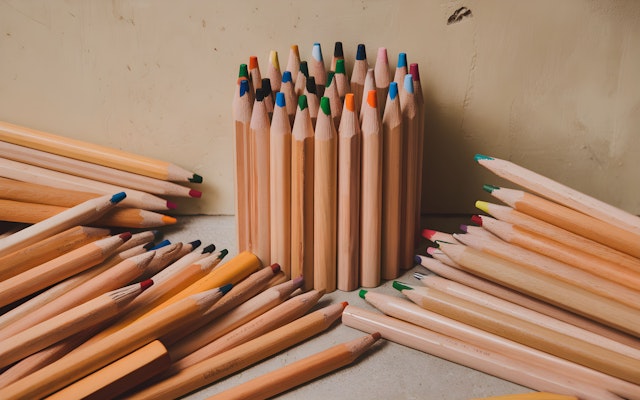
{"points": [[483, 206]]}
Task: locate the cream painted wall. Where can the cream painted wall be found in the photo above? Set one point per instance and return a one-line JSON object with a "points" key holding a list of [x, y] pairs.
{"points": [[552, 85]]}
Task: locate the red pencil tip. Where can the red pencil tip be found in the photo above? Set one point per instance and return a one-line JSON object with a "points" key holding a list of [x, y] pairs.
{"points": [[344, 304], [428, 233], [376, 335], [275, 268], [146, 284], [195, 193], [477, 219], [125, 236], [171, 205]]}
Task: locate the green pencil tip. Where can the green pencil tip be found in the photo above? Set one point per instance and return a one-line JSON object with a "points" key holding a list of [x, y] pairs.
{"points": [[223, 253], [479, 157], [489, 188], [401, 286], [195, 179], [325, 106], [302, 102], [362, 293]]}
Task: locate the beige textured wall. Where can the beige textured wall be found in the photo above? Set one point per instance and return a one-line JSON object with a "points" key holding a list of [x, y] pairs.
{"points": [[552, 85]]}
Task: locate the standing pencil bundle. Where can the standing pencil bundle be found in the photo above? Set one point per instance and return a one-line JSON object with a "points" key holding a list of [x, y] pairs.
{"points": [[351, 202]]}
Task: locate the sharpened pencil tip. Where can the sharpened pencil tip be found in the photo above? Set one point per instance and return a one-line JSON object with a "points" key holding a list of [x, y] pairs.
{"points": [[146, 284], [195, 193], [401, 286], [489, 188], [376, 336], [340, 67], [316, 52], [171, 205], [275, 268], [414, 71], [223, 253], [463, 228], [253, 62], [330, 76], [195, 244], [408, 83], [349, 102], [286, 76], [225, 288], [393, 90], [209, 249], [402, 60], [125, 236], [162, 244], [243, 71], [372, 99], [417, 259], [476, 218], [325, 106], [337, 50], [361, 53], [195, 178], [118, 197], [479, 157], [362, 293], [302, 102], [344, 304], [428, 233], [304, 68], [280, 101], [431, 250], [167, 220], [297, 282]]}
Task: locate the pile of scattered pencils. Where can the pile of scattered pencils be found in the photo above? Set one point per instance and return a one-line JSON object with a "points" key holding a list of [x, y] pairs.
{"points": [[545, 293], [315, 146]]}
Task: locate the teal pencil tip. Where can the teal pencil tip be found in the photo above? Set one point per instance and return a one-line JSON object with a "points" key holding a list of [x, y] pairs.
{"points": [[195, 179], [401, 286], [489, 188], [479, 157], [223, 253], [225, 288], [362, 293], [118, 197]]}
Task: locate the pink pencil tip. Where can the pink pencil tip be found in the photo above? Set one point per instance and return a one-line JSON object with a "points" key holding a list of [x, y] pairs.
{"points": [[171, 205], [298, 281], [275, 267], [431, 250], [146, 284], [428, 233], [477, 219], [125, 236], [195, 193]]}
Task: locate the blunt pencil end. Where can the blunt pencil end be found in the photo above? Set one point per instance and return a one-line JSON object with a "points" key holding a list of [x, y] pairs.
{"points": [[118, 197], [479, 157]]}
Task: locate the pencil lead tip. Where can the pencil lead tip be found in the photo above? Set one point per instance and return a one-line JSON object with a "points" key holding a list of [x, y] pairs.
{"points": [[195, 193], [167, 220], [376, 336], [280, 101], [361, 53], [118, 197], [480, 157], [195, 178], [195, 244], [243, 71], [125, 236], [417, 259], [463, 228], [325, 106], [286, 77], [402, 60], [302, 102], [344, 304], [223, 253], [476, 218], [489, 188], [146, 284], [225, 288], [316, 52], [337, 50], [162, 244], [330, 75], [393, 90], [362, 293], [340, 67], [401, 286], [408, 83], [414, 71], [428, 233], [171, 205], [209, 249], [304, 68], [275, 267], [297, 282]]}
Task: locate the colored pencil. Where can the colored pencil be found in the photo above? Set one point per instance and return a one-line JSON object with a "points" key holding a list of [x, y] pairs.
{"points": [[369, 84], [530, 396], [371, 193], [409, 169], [242, 116], [301, 78], [402, 68], [273, 71], [119, 376], [529, 334], [293, 62], [383, 77], [521, 299], [280, 185], [358, 76], [302, 153], [574, 221], [274, 318], [317, 69], [338, 54], [544, 287], [254, 73], [290, 96], [95, 172], [34, 193], [325, 200], [517, 218], [46, 177], [335, 102], [64, 266], [419, 96], [81, 214], [94, 153], [47, 249], [599, 285], [235, 318], [313, 101], [302, 371], [342, 80], [349, 164], [65, 324], [260, 197], [392, 148], [565, 254], [215, 368], [408, 311], [438, 236], [463, 353], [78, 364], [560, 193]]}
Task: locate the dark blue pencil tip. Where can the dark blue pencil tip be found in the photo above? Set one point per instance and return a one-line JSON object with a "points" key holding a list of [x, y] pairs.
{"points": [[118, 197], [479, 157], [286, 76], [393, 90], [225, 288], [209, 249], [417, 259], [195, 244], [361, 53], [244, 87], [165, 242]]}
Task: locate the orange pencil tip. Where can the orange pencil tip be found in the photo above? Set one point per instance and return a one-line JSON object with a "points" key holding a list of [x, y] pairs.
{"points": [[344, 304], [253, 62], [372, 98], [349, 102], [167, 220]]}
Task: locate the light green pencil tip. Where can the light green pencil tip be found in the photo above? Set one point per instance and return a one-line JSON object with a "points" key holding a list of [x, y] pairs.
{"points": [[489, 188], [401, 286], [479, 157], [362, 293]]}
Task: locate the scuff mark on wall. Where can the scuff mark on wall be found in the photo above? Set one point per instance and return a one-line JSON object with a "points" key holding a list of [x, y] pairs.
{"points": [[458, 15]]}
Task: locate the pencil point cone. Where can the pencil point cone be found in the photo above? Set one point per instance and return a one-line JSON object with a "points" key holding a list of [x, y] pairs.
{"points": [[401, 286], [428, 233], [167, 220], [118, 197], [195, 244], [479, 157], [362, 293], [483, 206], [171, 205], [195, 193]]}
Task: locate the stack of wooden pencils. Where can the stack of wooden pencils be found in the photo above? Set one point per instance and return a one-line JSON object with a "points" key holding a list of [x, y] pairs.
{"points": [[544, 293], [315, 145], [42, 174]]}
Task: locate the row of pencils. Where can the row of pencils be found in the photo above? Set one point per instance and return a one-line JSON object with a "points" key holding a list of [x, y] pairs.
{"points": [[91, 310], [316, 143], [542, 291]]}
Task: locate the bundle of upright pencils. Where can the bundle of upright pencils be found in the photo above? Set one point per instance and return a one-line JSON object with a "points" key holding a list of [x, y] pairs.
{"points": [[315, 146], [544, 293], [42, 175]]}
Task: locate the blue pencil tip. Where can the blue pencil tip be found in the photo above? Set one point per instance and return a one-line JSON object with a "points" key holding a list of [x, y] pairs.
{"points": [[244, 87], [225, 288], [402, 60], [161, 244], [286, 76], [393, 90], [479, 157], [361, 53], [118, 197], [408, 83], [280, 102]]}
